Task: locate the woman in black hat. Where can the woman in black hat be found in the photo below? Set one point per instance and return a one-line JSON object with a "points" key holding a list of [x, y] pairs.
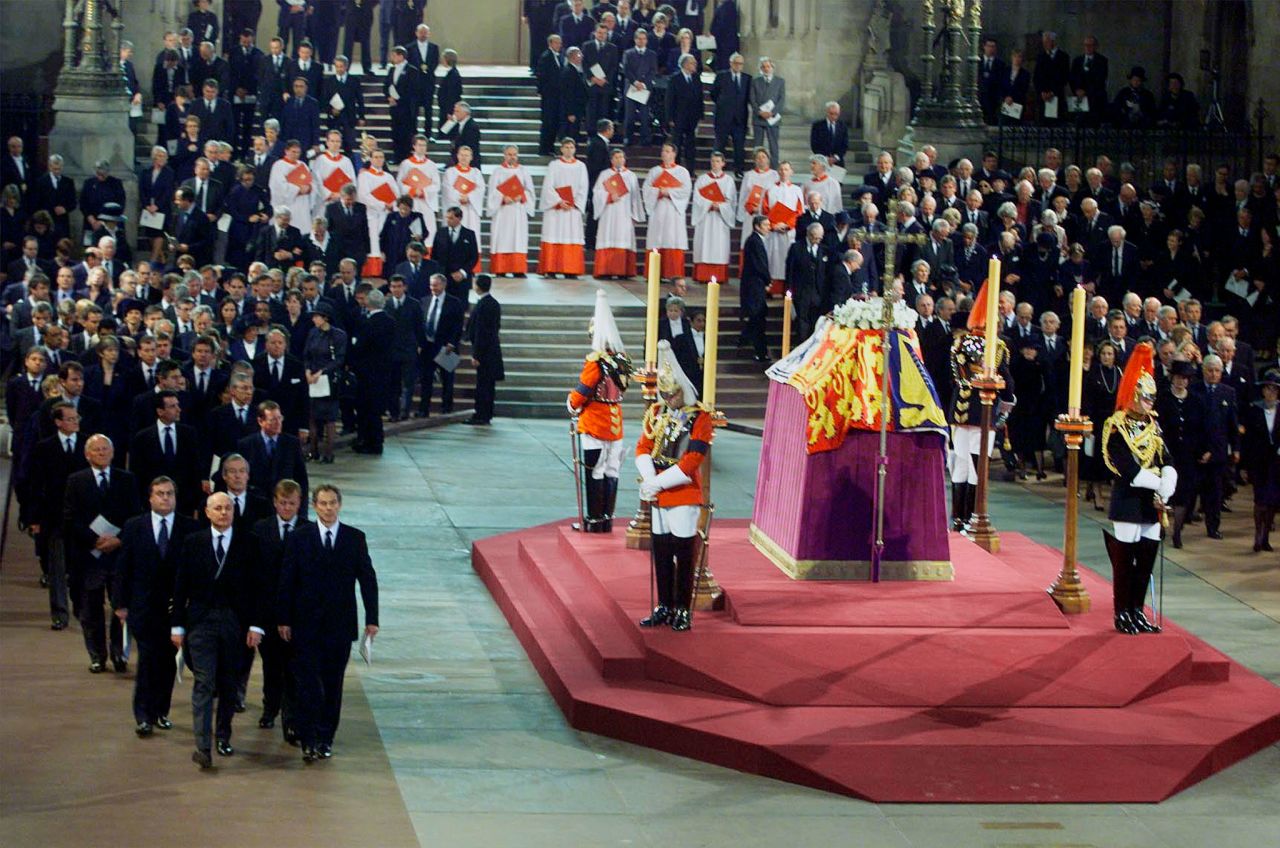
{"points": [[1182, 416], [323, 357], [1262, 457], [1100, 385]]}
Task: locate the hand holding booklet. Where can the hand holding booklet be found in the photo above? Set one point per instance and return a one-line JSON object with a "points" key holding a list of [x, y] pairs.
{"points": [[100, 526], [366, 649]]}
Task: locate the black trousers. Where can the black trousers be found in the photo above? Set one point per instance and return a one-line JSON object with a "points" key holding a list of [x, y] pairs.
{"points": [[1211, 477], [370, 405], [422, 102], [153, 681], [429, 370], [684, 138], [244, 114], [95, 592], [279, 692], [486, 392], [215, 648], [351, 38], [737, 135], [753, 333], [550, 126], [319, 666]]}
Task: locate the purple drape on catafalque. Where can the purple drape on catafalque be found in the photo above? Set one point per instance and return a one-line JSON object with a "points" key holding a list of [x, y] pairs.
{"points": [[820, 506]]}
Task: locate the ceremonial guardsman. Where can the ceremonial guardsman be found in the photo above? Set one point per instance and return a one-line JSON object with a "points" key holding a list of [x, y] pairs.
{"points": [[676, 437], [596, 403], [966, 409], [1134, 451]]}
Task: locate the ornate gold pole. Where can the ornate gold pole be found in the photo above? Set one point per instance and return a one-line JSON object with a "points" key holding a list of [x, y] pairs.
{"points": [[1067, 591], [707, 593], [640, 530], [980, 528]]}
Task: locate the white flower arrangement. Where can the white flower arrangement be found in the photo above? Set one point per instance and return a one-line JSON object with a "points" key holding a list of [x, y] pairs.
{"points": [[869, 314]]}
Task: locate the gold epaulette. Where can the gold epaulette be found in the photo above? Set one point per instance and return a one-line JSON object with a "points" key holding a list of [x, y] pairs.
{"points": [[1142, 437]]}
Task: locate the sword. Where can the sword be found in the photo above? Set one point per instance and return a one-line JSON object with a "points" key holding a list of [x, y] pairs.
{"points": [[708, 512], [575, 442]]}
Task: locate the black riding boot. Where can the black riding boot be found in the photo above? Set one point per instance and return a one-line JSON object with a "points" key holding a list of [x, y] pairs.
{"points": [[1145, 551], [664, 575], [958, 517], [610, 502], [1121, 555], [684, 577]]}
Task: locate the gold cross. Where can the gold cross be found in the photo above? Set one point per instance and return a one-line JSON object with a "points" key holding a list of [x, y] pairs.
{"points": [[890, 238]]}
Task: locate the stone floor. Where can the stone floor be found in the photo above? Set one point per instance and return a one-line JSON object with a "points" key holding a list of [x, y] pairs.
{"points": [[481, 756]]}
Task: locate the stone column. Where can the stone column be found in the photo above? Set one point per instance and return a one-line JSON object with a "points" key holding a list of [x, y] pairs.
{"points": [[91, 111]]}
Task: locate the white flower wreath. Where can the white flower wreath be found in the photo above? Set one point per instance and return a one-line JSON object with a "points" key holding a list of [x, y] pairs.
{"points": [[869, 314]]}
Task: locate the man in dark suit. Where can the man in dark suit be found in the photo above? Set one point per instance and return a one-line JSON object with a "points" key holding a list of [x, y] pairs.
{"points": [[465, 132], [597, 163], [52, 192], [417, 271], [205, 381], [1117, 264], [246, 61], [208, 65], [549, 69], [1221, 450], [1088, 79], [275, 75], [992, 73], [577, 26], [406, 312], [280, 244], [368, 358], [191, 231], [1090, 227], [639, 70], [573, 96], [807, 279], [829, 137], [347, 88], [227, 424], [935, 345], [348, 223], [29, 261], [684, 110], [111, 493], [443, 316], [357, 25], [279, 691], [1053, 69], [403, 77], [486, 349], [598, 50], [214, 617], [150, 546], [300, 117], [282, 377], [58, 457], [424, 55], [272, 454], [309, 69], [214, 112], [316, 614], [940, 252], [168, 449], [456, 250], [752, 293]]}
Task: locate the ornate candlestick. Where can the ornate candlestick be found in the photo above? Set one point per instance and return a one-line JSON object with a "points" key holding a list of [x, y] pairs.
{"points": [[1067, 591], [981, 529]]}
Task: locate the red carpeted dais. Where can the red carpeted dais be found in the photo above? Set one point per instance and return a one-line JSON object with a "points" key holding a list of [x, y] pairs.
{"points": [[976, 691]]}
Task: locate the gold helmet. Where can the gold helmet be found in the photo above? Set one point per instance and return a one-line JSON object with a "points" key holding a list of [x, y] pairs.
{"points": [[671, 377]]}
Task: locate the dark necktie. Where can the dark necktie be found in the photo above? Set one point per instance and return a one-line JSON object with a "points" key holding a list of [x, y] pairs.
{"points": [[169, 450], [275, 371], [271, 448], [71, 446], [241, 414], [431, 318], [220, 554], [103, 484], [203, 382], [162, 539], [328, 540], [236, 502], [284, 531]]}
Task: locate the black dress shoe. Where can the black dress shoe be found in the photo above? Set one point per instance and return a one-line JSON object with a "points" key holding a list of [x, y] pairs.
{"points": [[291, 737], [1124, 623], [143, 729], [680, 620], [1141, 623], [309, 755], [201, 758], [163, 723], [240, 707], [120, 664], [224, 748], [266, 722], [325, 750], [44, 581], [1215, 534], [660, 615], [97, 667], [58, 624]]}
